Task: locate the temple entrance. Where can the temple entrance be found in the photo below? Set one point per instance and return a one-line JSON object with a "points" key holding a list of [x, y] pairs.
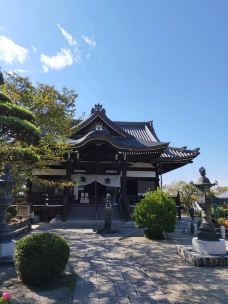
{"points": [[96, 193], [92, 189]]}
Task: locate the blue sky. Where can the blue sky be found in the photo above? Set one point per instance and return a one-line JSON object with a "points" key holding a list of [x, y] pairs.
{"points": [[163, 60]]}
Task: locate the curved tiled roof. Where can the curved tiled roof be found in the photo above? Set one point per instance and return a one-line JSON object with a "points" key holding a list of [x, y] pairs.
{"points": [[145, 131], [131, 136], [142, 130], [181, 153], [127, 143], [223, 195]]}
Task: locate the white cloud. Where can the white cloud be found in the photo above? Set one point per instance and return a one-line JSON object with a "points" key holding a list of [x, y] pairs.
{"points": [[90, 41], [69, 38], [11, 52], [22, 71], [63, 59]]}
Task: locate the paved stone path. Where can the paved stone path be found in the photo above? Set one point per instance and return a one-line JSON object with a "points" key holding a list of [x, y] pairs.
{"points": [[119, 269], [108, 273]]}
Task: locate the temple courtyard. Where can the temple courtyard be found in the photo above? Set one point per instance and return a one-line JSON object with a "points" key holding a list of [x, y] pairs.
{"points": [[125, 268]]}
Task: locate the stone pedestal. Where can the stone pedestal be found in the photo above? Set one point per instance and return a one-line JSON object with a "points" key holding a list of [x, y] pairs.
{"points": [[209, 247], [201, 259], [6, 250]]}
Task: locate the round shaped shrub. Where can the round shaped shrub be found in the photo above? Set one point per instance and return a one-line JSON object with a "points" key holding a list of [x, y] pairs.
{"points": [[40, 257], [156, 213]]}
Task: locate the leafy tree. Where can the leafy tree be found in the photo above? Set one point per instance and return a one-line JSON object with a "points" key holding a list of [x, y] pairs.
{"points": [[188, 192], [54, 111], [217, 190], [18, 133], [156, 212]]}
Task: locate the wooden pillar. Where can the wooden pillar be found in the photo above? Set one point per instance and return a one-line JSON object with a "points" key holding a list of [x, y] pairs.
{"points": [[124, 190], [66, 190], [157, 177], [161, 181]]}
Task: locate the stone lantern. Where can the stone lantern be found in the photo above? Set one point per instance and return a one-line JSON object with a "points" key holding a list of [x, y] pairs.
{"points": [[207, 240], [6, 243], [108, 212]]}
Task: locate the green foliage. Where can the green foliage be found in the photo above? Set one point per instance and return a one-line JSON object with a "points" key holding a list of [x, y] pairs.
{"points": [[222, 212], [16, 153], [10, 109], [156, 213], [17, 132], [45, 102], [19, 129], [188, 192], [4, 98], [54, 112], [217, 190], [40, 257]]}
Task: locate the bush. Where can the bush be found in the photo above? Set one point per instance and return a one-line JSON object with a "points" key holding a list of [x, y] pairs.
{"points": [[223, 222], [222, 212], [156, 213], [40, 257]]}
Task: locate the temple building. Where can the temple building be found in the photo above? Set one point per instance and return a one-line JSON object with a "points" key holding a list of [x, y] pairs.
{"points": [[122, 158]]}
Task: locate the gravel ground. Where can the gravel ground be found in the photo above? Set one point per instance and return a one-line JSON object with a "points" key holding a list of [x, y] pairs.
{"points": [[60, 291], [179, 281]]}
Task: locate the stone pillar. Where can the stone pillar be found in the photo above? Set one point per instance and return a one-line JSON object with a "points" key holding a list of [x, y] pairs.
{"points": [[223, 232], [6, 242]]}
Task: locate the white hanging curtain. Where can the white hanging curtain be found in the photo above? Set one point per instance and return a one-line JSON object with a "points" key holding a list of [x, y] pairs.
{"points": [[84, 179], [109, 180], [105, 180]]}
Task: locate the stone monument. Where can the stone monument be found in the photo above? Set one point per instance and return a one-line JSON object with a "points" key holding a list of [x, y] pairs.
{"points": [[108, 212], [207, 240], [207, 249], [6, 242]]}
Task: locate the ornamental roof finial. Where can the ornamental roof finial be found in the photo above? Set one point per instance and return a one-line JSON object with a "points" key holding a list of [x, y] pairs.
{"points": [[98, 108], [202, 171]]}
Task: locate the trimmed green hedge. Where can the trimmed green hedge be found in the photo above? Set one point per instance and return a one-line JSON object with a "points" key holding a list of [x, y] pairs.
{"points": [[40, 257], [156, 213]]}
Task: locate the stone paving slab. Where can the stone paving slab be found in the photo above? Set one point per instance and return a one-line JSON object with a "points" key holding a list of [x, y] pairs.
{"points": [[107, 275], [157, 274], [147, 300]]}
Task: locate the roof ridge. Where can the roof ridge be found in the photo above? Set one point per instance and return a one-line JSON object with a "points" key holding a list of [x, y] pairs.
{"points": [[131, 122]]}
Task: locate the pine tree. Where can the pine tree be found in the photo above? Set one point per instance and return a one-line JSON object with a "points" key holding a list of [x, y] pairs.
{"points": [[18, 133]]}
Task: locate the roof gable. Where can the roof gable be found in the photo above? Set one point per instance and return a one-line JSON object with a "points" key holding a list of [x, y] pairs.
{"points": [[98, 117]]}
